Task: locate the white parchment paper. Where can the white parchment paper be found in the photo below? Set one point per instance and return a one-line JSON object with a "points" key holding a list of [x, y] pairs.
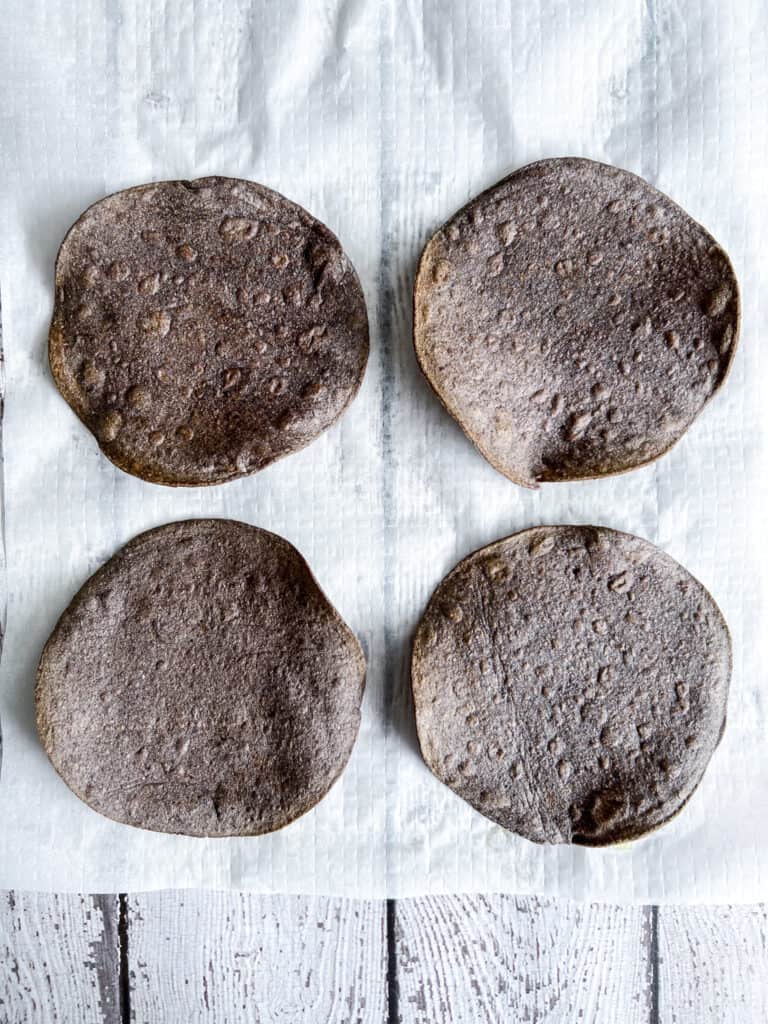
{"points": [[381, 117]]}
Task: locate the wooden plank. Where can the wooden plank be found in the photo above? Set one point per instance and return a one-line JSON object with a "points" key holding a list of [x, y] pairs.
{"points": [[58, 959], [713, 965], [498, 958], [230, 957]]}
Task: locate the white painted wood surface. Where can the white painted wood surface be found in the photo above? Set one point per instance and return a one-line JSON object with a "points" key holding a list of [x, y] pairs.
{"points": [[490, 958], [713, 964], [58, 959], [225, 957]]}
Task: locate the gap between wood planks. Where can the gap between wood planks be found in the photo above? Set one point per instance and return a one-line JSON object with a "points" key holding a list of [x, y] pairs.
{"points": [[124, 979], [652, 913], [393, 993]]}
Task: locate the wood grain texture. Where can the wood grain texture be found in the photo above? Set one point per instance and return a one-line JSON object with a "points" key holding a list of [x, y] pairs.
{"points": [[713, 964], [494, 958], [237, 958], [58, 959]]}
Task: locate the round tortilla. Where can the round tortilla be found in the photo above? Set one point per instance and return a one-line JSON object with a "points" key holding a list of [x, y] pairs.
{"points": [[204, 329], [201, 683], [574, 321], [570, 683]]}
